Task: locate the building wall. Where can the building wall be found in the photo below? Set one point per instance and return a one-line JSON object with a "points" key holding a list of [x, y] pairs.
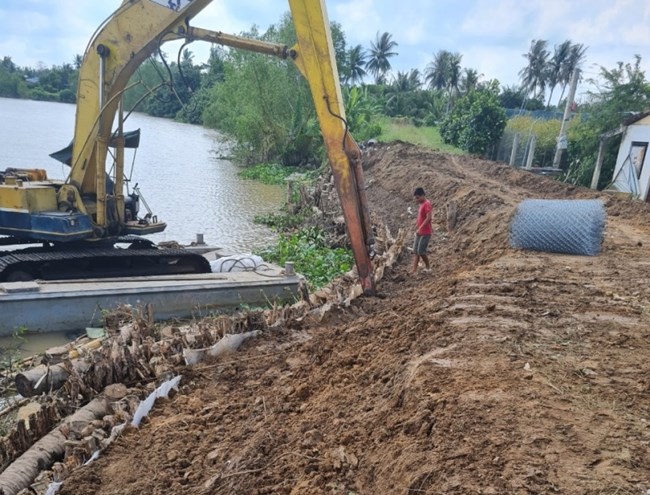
{"points": [[625, 172]]}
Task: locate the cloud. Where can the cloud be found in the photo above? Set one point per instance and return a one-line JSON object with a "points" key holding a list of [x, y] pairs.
{"points": [[491, 34], [502, 63], [359, 18]]}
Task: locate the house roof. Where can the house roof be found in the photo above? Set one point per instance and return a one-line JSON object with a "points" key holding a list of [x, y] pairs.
{"points": [[634, 119]]}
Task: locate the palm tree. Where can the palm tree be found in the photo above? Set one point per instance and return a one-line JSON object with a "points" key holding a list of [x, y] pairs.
{"points": [[380, 51], [469, 80], [533, 76], [444, 72], [437, 71], [455, 71], [406, 81], [400, 94], [356, 62], [572, 62], [556, 66], [396, 94], [78, 60], [415, 80]]}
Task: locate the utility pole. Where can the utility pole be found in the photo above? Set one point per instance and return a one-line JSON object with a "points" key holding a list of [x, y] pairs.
{"points": [[561, 139]]}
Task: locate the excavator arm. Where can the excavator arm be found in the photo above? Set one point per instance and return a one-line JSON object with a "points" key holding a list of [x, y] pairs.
{"points": [[134, 32], [315, 59]]}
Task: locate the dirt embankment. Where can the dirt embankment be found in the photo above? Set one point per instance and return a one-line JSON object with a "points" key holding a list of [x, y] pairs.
{"points": [[501, 372]]}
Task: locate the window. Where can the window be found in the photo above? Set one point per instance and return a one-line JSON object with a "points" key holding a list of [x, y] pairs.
{"points": [[637, 156]]}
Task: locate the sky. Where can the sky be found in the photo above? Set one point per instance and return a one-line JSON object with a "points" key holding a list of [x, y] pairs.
{"points": [[491, 35]]}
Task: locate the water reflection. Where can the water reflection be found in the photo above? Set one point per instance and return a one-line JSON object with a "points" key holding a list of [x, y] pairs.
{"points": [[176, 166]]}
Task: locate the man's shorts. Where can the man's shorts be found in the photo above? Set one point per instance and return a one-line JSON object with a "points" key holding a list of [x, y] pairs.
{"points": [[420, 244]]}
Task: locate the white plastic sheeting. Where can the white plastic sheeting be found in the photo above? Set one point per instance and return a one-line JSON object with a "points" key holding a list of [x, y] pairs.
{"points": [[227, 343], [146, 405], [237, 263]]}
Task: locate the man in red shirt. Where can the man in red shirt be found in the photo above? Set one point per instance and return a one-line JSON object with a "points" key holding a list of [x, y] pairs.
{"points": [[423, 230]]}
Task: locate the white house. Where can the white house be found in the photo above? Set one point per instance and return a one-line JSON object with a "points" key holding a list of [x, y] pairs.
{"points": [[632, 172]]}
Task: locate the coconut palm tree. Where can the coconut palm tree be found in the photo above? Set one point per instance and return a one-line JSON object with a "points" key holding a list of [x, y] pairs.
{"points": [[444, 72], [381, 50], [556, 66], [437, 71], [455, 72], [415, 80], [356, 62], [469, 80], [572, 62], [401, 95], [533, 76], [78, 60]]}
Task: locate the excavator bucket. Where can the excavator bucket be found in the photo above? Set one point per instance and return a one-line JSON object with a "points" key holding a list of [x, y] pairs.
{"points": [[315, 59]]}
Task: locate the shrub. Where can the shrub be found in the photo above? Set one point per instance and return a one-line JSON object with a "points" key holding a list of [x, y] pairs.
{"points": [[476, 123]]}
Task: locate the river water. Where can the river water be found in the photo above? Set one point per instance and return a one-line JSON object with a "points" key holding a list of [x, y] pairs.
{"points": [[178, 168]]}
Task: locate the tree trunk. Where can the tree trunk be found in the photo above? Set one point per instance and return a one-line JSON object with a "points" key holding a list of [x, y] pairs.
{"points": [[548, 104], [42, 379], [562, 93], [48, 449]]}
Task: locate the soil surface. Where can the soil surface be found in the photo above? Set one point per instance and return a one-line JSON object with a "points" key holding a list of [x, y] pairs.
{"points": [[502, 372]]}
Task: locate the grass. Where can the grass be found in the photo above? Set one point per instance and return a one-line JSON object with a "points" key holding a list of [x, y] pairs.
{"points": [[429, 137]]}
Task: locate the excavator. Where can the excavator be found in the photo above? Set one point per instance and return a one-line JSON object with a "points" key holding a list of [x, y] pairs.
{"points": [[86, 226]]}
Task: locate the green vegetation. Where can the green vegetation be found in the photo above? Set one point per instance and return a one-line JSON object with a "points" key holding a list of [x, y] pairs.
{"points": [[312, 256], [404, 130], [476, 122], [546, 132], [362, 113], [57, 83], [264, 105], [283, 222], [623, 91], [267, 173]]}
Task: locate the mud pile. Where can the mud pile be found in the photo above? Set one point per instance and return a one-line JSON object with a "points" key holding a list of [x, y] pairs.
{"points": [[500, 372]]}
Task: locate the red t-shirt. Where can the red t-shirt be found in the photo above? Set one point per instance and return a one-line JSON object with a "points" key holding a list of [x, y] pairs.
{"points": [[423, 211]]}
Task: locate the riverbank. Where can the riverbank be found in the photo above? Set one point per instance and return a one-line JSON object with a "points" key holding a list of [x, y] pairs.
{"points": [[503, 372]]}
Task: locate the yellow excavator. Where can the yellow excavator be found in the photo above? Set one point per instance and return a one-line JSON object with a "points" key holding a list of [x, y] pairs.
{"points": [[71, 228]]}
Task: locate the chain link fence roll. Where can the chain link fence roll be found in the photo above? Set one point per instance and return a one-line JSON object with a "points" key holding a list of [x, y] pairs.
{"points": [[559, 226]]}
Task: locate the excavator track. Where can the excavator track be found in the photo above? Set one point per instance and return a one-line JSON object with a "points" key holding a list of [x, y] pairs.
{"points": [[99, 262]]}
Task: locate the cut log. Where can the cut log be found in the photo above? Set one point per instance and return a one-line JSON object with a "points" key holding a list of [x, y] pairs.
{"points": [[12, 406], [42, 379], [26, 432], [49, 449]]}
